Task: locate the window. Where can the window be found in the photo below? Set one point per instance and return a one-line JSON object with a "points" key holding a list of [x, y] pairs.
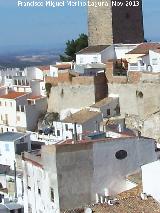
{"points": [[22, 108], [1, 118], [108, 112], [154, 61], [95, 59], [0, 103], [7, 147], [11, 104], [5, 103], [66, 127], [30, 102], [39, 191], [15, 82], [18, 118], [28, 187], [7, 129], [52, 194], [58, 132], [81, 60], [17, 108], [121, 154]]}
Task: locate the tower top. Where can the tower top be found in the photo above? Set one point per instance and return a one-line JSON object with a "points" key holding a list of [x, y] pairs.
{"points": [[110, 23]]}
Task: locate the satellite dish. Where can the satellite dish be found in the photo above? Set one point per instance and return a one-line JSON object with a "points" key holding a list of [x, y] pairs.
{"points": [[88, 210]]}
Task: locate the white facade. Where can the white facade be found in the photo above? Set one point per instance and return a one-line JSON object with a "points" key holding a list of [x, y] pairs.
{"points": [[122, 49], [11, 144], [116, 51], [37, 193], [21, 113], [93, 58], [150, 179], [64, 129]]}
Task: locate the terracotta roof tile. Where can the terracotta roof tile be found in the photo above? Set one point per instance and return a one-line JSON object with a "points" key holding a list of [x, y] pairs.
{"points": [[63, 66], [44, 68], [144, 48], [93, 49], [13, 95], [81, 116], [33, 97]]}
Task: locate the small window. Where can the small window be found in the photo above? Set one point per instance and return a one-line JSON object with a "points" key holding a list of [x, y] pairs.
{"points": [[0, 103], [108, 112], [7, 147], [18, 118], [1, 118], [7, 129], [95, 59], [22, 108], [11, 104], [39, 191], [58, 132], [154, 61], [121, 154], [52, 194], [81, 60], [5, 103], [17, 108], [28, 187], [66, 127]]}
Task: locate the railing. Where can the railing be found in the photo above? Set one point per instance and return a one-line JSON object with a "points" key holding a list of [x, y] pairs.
{"points": [[136, 68]]}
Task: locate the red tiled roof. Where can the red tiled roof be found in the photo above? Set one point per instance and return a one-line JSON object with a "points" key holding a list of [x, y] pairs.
{"points": [[63, 66], [34, 97], [144, 48], [44, 68], [13, 95]]}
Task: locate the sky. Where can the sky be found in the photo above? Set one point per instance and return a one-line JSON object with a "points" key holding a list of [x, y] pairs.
{"points": [[42, 27]]}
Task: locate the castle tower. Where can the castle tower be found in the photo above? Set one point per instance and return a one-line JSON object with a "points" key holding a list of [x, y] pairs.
{"points": [[115, 24]]}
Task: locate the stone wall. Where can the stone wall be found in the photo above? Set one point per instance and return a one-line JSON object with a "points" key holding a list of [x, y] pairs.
{"points": [[82, 91], [141, 99]]}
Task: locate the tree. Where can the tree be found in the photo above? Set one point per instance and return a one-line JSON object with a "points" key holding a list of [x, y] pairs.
{"points": [[73, 46], [48, 87]]}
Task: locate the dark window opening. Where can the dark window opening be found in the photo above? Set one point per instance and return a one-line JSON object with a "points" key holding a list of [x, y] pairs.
{"points": [[121, 154], [52, 195], [108, 112], [58, 132]]}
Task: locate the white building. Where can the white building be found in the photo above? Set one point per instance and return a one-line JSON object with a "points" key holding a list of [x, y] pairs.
{"points": [[12, 143], [150, 179], [76, 124], [146, 57], [56, 178], [20, 111], [109, 107], [102, 53]]}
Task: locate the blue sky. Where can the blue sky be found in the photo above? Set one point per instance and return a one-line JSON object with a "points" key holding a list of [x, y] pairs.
{"points": [[51, 27]]}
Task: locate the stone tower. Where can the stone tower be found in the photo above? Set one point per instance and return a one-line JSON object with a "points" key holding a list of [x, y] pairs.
{"points": [[112, 24]]}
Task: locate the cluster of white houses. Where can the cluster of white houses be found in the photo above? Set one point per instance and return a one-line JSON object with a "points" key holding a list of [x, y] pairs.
{"points": [[78, 142]]}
